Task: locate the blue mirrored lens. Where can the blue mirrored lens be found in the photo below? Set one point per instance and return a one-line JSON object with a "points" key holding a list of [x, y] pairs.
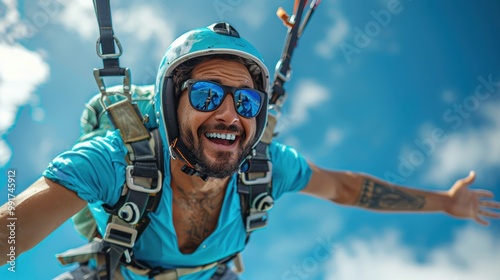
{"points": [[206, 96], [247, 102]]}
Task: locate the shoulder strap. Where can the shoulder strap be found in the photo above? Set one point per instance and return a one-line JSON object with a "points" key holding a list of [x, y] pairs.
{"points": [[140, 196], [143, 176]]}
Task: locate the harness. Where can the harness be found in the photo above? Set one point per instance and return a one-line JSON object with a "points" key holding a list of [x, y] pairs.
{"points": [[142, 192], [144, 173]]}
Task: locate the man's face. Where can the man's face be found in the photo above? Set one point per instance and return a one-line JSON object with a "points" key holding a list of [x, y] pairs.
{"points": [[203, 132]]}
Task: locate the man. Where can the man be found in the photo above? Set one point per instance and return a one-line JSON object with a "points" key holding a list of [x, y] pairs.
{"points": [[198, 220]]}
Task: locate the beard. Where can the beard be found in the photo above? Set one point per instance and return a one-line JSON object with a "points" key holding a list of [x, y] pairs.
{"points": [[224, 165]]}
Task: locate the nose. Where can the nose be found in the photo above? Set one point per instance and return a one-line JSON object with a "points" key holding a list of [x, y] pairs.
{"points": [[226, 113]]}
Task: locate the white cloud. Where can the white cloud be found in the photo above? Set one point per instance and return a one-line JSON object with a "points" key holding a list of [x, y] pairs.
{"points": [[312, 237], [12, 27], [307, 96], [136, 26], [147, 25], [17, 87], [252, 12], [80, 17], [332, 137], [10, 16], [5, 152], [336, 33], [468, 148], [473, 254]]}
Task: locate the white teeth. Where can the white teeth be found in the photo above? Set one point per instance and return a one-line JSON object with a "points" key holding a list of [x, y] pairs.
{"points": [[225, 136]]}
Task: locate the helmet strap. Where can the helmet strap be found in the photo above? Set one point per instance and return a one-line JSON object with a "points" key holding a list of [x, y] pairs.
{"points": [[179, 150]]}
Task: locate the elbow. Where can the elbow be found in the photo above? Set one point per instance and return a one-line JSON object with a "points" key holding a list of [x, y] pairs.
{"points": [[346, 198], [347, 189]]}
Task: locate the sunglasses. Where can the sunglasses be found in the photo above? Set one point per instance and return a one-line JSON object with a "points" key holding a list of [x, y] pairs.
{"points": [[207, 96]]}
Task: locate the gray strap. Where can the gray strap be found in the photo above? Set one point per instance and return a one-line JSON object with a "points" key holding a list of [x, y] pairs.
{"points": [[172, 274]]}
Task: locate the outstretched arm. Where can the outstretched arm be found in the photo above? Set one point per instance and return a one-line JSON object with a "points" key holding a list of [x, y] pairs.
{"points": [[39, 210], [365, 191]]}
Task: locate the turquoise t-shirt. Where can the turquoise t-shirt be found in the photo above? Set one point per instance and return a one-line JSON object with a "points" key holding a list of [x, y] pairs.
{"points": [[95, 170]]}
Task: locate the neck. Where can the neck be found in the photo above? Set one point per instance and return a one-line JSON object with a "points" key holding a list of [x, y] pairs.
{"points": [[191, 183]]}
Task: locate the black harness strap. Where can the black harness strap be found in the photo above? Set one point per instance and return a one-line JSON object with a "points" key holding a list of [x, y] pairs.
{"points": [[105, 45], [129, 217], [254, 187], [143, 174], [105, 48]]}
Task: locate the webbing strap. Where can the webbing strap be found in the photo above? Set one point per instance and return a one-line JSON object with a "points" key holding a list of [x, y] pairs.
{"points": [[143, 181], [105, 45], [173, 274], [105, 48], [113, 254]]}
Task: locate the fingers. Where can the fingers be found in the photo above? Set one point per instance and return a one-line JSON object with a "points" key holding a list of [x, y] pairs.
{"points": [[483, 193], [481, 221], [489, 214], [489, 204]]}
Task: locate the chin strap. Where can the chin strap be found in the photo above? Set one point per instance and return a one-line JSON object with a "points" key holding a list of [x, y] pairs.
{"points": [[179, 150]]}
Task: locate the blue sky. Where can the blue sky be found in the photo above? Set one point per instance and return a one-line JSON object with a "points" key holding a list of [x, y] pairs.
{"points": [[404, 90]]}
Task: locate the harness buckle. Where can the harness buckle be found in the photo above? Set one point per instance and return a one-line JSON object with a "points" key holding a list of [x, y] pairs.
{"points": [[131, 184], [256, 220], [127, 84], [262, 180], [120, 235]]}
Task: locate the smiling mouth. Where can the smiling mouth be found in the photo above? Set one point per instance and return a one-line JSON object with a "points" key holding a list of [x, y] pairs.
{"points": [[226, 139]]}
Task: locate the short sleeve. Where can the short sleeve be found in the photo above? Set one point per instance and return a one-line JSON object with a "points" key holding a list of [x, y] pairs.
{"points": [[94, 169], [291, 172]]}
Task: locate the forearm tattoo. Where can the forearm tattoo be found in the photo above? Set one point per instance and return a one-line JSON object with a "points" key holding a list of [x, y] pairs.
{"points": [[375, 195]]}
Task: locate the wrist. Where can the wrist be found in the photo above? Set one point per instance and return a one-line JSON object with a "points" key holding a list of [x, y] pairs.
{"points": [[446, 201]]}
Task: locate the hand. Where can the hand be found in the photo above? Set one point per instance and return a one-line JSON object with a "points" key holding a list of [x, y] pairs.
{"points": [[467, 203]]}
